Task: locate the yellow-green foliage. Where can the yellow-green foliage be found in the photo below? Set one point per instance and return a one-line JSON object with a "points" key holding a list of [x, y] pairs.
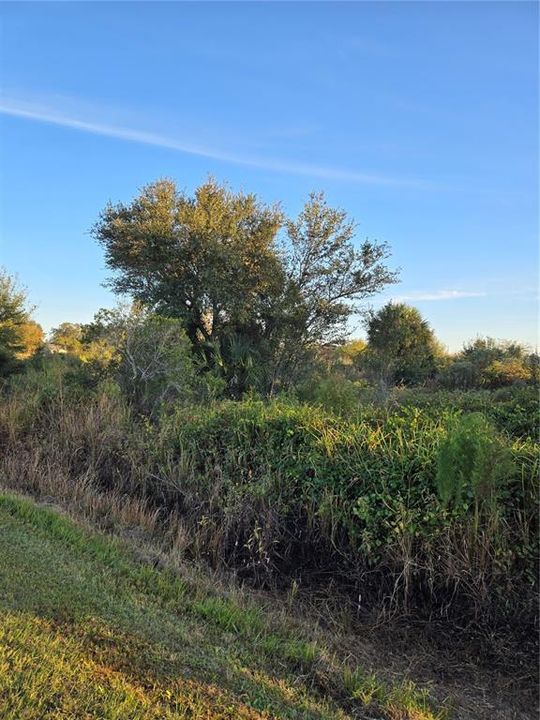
{"points": [[351, 351], [514, 411], [14, 316], [474, 463], [506, 372], [31, 339]]}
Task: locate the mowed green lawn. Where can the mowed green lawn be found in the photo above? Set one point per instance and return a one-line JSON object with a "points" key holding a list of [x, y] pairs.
{"points": [[87, 631]]}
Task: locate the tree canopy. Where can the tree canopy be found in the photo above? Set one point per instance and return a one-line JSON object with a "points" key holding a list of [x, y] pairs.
{"points": [[402, 345], [253, 289]]}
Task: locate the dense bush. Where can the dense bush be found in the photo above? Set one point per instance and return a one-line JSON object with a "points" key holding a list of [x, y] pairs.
{"points": [[402, 348], [427, 508], [288, 488], [332, 392], [489, 363], [474, 465]]}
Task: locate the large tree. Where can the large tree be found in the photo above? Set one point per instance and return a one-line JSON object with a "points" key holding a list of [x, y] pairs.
{"points": [[328, 273], [250, 304], [209, 260]]}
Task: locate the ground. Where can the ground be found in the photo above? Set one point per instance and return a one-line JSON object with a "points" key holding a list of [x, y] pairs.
{"points": [[88, 631]]}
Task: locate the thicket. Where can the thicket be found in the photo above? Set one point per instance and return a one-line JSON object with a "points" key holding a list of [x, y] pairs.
{"points": [[428, 509]]}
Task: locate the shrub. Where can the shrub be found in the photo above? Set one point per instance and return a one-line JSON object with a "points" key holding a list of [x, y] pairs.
{"points": [[155, 362], [513, 410], [283, 488], [148, 355], [458, 375], [402, 347], [332, 393]]}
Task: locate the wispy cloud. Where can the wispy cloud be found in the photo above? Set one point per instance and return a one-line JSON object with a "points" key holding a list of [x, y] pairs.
{"points": [[438, 295], [75, 121]]}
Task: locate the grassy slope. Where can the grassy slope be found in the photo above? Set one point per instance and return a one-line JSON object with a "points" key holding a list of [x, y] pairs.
{"points": [[86, 631]]}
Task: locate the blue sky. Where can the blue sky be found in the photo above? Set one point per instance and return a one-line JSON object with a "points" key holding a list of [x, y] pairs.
{"points": [[420, 119]]}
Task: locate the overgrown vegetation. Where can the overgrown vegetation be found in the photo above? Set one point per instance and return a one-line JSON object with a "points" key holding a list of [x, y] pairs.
{"points": [[429, 508], [227, 402]]}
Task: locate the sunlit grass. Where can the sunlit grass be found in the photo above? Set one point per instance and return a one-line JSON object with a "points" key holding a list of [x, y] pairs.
{"points": [[86, 631]]}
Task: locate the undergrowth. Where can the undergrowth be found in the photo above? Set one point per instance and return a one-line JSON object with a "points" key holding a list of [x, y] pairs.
{"points": [[410, 509]]}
